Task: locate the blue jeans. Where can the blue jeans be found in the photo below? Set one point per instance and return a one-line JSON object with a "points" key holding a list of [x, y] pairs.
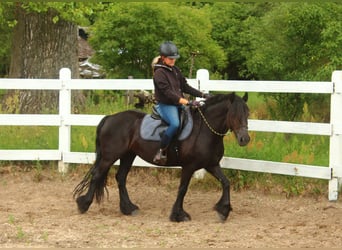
{"points": [[170, 114]]}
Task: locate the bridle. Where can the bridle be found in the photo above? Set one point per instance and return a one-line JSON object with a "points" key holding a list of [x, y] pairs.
{"points": [[210, 127]]}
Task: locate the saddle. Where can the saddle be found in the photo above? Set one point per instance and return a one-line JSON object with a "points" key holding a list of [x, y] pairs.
{"points": [[152, 125]]}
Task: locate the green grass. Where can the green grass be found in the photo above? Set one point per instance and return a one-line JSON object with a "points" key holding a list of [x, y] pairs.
{"points": [[293, 148], [28, 137]]}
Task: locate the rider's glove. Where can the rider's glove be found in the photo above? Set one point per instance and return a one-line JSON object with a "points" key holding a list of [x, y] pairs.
{"points": [[206, 96], [195, 104]]}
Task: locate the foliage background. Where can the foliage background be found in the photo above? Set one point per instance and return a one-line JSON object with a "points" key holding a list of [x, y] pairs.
{"points": [[233, 40]]}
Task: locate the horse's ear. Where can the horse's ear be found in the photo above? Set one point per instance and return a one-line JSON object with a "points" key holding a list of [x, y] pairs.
{"points": [[232, 97], [245, 97]]}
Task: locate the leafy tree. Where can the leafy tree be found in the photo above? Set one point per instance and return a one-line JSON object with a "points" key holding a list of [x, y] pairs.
{"points": [[297, 41], [231, 24], [281, 41], [44, 40], [5, 31], [227, 20], [127, 36]]}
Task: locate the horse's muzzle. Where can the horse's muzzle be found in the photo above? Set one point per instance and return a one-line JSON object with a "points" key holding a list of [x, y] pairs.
{"points": [[242, 136]]}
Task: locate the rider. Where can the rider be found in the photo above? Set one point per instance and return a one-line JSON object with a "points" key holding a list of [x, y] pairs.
{"points": [[169, 86]]}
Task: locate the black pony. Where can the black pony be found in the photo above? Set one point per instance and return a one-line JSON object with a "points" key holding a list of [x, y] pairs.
{"points": [[118, 138]]}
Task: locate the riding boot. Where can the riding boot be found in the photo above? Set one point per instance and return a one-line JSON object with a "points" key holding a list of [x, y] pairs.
{"points": [[161, 156]]}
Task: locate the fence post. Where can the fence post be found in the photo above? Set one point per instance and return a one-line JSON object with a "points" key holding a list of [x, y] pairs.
{"points": [[201, 75], [335, 147], [64, 111]]}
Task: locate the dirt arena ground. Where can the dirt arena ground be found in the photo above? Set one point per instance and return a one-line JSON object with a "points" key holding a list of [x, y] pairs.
{"points": [[37, 210]]}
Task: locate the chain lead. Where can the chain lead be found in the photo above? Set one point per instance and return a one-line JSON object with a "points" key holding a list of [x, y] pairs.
{"points": [[211, 129]]}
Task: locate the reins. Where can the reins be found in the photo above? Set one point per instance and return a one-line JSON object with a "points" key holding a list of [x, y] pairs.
{"points": [[208, 125]]}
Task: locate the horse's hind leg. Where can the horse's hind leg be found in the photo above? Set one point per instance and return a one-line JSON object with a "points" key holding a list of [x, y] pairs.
{"points": [[126, 205], [223, 206], [97, 184]]}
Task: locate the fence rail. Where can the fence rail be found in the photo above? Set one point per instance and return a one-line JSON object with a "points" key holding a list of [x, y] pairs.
{"points": [[64, 120]]}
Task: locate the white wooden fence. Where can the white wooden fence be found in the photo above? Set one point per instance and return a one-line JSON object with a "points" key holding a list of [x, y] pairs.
{"points": [[64, 120]]}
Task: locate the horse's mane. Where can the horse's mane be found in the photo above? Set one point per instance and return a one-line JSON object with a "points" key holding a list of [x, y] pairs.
{"points": [[233, 100], [218, 98]]}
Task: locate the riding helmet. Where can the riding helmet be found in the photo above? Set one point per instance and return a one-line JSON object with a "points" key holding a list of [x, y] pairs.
{"points": [[169, 49]]}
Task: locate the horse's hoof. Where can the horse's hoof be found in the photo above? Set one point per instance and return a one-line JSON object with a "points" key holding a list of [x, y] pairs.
{"points": [[180, 217], [129, 210], [221, 217], [223, 211], [135, 212], [82, 204]]}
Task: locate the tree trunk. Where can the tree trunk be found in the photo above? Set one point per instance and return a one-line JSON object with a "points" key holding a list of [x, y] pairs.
{"points": [[40, 48]]}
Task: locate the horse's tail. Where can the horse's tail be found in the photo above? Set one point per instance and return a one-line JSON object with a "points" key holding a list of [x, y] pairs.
{"points": [[101, 185]]}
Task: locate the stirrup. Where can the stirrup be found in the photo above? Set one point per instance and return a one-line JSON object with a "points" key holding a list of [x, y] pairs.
{"points": [[160, 157]]}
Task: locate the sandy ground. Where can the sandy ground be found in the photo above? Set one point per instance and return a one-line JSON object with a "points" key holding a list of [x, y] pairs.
{"points": [[37, 210]]}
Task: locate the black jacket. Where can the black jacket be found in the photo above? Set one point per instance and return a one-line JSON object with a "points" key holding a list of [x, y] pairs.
{"points": [[170, 84]]}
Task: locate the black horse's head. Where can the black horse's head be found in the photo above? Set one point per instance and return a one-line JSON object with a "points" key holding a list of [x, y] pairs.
{"points": [[228, 112], [237, 118]]}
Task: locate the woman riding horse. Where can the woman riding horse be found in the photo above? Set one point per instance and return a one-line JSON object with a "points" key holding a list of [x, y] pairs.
{"points": [[118, 138], [169, 85]]}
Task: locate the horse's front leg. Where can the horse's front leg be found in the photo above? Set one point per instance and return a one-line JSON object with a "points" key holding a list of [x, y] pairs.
{"points": [[178, 214], [223, 206]]}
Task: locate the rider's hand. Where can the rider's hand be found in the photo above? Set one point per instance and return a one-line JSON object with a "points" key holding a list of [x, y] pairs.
{"points": [[206, 96], [195, 104], [183, 101]]}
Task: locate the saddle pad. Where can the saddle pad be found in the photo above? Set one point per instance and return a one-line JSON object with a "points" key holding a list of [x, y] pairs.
{"points": [[151, 128]]}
